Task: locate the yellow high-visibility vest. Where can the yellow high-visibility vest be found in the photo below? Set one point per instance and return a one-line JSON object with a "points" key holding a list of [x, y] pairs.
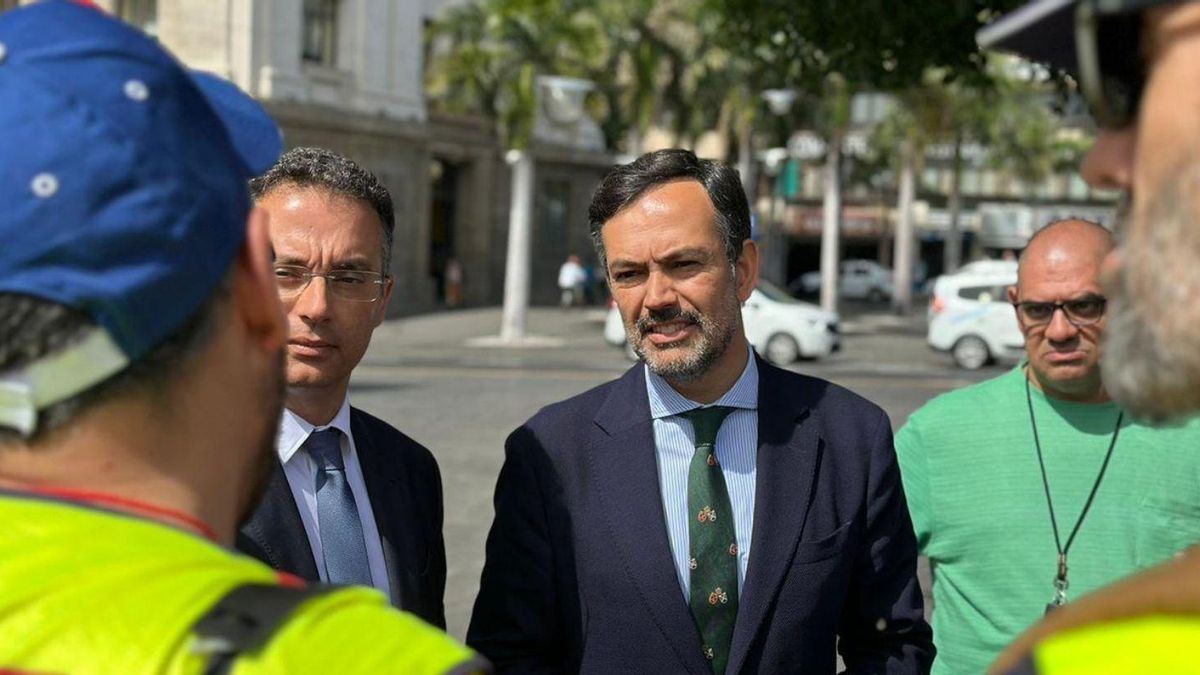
{"points": [[1159, 644], [84, 590]]}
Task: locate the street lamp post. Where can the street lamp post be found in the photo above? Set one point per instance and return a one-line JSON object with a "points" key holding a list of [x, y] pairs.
{"points": [[779, 102]]}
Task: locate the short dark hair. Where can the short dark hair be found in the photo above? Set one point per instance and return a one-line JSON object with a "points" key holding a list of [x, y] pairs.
{"points": [[33, 328], [327, 170], [624, 184]]}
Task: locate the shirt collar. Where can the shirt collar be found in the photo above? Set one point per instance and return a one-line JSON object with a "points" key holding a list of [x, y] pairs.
{"points": [[294, 430], [666, 402]]}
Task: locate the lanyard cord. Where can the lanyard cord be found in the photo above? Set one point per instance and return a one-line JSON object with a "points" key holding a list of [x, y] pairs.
{"points": [[1064, 550]]}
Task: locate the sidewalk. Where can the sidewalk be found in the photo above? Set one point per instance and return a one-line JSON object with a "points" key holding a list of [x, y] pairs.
{"points": [[442, 338]]}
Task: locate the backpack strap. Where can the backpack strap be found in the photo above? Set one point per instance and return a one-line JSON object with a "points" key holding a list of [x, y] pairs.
{"points": [[245, 619]]}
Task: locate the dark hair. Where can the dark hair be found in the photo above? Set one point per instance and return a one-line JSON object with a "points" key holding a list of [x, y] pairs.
{"points": [[325, 169], [33, 328], [624, 184]]}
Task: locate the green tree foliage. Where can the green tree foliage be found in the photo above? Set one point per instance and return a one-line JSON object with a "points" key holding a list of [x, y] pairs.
{"points": [[650, 60]]}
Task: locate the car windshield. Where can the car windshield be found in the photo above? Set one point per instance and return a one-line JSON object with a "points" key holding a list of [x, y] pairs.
{"points": [[775, 293]]}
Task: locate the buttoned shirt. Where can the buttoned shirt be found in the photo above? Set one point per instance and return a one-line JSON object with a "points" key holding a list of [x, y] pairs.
{"points": [[301, 472], [736, 450]]}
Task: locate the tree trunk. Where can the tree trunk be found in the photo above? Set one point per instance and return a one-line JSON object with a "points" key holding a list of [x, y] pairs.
{"points": [[746, 164], [903, 273], [514, 317], [952, 254], [831, 211]]}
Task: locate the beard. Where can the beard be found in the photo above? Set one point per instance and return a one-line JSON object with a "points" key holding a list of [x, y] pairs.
{"points": [[274, 389], [693, 358], [1151, 361]]}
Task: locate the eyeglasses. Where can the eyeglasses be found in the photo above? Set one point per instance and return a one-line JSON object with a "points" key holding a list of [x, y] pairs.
{"points": [[1111, 79], [1080, 312], [350, 285]]}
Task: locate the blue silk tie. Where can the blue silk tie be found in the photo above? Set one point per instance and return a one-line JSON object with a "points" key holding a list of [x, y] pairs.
{"points": [[341, 531]]}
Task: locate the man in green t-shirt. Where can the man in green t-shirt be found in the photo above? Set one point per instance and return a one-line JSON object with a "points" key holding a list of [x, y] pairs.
{"points": [[1032, 488], [141, 376]]}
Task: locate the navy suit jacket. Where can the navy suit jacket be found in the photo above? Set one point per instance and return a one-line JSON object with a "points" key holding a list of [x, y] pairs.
{"points": [[579, 575], [405, 489]]}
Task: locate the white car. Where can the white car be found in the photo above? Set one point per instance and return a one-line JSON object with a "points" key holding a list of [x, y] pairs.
{"points": [[857, 280], [780, 327], [970, 317]]}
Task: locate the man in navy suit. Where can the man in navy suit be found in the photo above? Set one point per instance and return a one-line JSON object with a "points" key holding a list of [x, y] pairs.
{"points": [[706, 512], [352, 500]]}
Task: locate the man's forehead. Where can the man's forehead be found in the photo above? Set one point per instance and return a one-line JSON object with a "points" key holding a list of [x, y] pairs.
{"points": [[683, 194]]}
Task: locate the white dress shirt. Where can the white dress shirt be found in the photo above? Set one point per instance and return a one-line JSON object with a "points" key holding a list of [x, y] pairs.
{"points": [[737, 453], [301, 474]]}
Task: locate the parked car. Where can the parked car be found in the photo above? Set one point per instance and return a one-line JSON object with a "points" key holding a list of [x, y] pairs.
{"points": [[857, 280], [779, 327], [970, 317]]}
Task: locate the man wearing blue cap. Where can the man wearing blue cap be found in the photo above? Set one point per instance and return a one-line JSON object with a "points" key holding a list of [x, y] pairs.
{"points": [[1136, 63], [141, 375]]}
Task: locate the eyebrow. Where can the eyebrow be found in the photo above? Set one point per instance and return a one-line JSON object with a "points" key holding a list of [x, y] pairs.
{"points": [[688, 252], [354, 263], [1090, 295]]}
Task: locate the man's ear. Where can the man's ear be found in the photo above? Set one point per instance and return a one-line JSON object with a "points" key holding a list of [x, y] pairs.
{"points": [[255, 295], [747, 270], [1011, 292]]}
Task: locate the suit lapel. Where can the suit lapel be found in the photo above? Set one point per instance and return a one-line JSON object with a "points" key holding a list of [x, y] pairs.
{"points": [[388, 493], [787, 465], [623, 461], [277, 530]]}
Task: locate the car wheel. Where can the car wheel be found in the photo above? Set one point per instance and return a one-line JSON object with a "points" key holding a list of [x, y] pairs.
{"points": [[782, 349], [971, 353], [629, 353]]}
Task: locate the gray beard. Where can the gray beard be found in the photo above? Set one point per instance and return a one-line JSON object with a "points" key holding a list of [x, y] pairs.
{"points": [[715, 336], [1151, 362]]}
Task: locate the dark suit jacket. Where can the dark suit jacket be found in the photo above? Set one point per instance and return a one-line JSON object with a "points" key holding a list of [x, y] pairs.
{"points": [[405, 489], [579, 575]]}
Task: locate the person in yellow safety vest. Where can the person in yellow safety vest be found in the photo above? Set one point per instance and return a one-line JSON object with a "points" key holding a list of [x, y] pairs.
{"points": [[141, 376], [1136, 63]]}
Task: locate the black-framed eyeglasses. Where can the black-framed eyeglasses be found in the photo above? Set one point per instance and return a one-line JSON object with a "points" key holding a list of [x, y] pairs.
{"points": [[352, 285], [1080, 312], [1112, 74]]}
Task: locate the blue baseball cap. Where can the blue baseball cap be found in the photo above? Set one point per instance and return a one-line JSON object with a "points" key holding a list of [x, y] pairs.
{"points": [[124, 182]]}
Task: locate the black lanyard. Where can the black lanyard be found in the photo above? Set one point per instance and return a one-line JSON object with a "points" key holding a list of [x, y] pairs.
{"points": [[1060, 578]]}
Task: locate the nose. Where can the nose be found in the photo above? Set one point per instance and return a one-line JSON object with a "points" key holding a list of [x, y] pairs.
{"points": [[1109, 164], [1060, 329], [660, 292], [312, 304]]}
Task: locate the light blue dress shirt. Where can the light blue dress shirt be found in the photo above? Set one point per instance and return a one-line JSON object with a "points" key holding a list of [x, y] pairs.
{"points": [[737, 452]]}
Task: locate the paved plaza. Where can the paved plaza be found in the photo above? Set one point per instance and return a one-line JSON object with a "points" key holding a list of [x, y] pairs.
{"points": [[462, 401]]}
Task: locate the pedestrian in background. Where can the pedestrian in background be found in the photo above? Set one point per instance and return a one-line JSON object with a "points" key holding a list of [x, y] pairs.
{"points": [[571, 278], [141, 375], [1034, 487]]}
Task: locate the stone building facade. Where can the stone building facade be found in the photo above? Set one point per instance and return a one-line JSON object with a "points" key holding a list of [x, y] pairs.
{"points": [[348, 75]]}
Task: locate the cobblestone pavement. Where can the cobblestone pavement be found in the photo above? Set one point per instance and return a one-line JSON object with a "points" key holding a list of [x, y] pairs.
{"points": [[462, 401]]}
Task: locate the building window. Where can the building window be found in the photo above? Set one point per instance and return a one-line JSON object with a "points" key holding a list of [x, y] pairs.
{"points": [[140, 13], [320, 31]]}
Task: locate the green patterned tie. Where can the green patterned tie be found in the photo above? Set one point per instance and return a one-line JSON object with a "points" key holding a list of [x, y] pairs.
{"points": [[714, 559]]}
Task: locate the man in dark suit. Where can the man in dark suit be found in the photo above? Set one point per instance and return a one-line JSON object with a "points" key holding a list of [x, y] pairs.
{"points": [[353, 500], [706, 512]]}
